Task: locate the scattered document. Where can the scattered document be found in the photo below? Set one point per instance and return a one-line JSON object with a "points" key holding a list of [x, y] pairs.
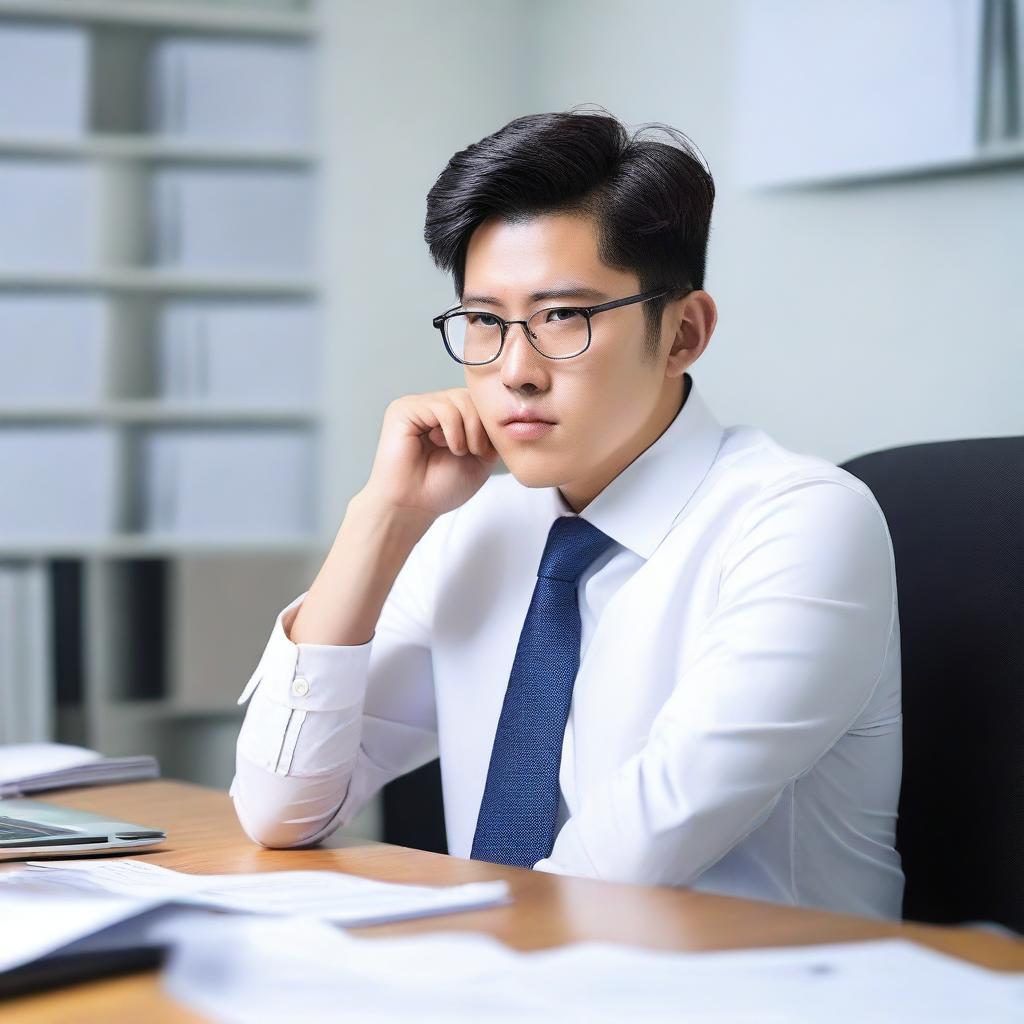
{"points": [[36, 767], [37, 923], [327, 895], [233, 970]]}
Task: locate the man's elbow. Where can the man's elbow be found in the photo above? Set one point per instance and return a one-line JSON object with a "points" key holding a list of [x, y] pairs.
{"points": [[274, 824]]}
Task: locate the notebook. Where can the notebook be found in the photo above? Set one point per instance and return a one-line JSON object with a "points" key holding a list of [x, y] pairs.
{"points": [[36, 767]]}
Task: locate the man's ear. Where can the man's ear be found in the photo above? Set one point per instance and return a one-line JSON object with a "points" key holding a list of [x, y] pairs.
{"points": [[691, 322]]}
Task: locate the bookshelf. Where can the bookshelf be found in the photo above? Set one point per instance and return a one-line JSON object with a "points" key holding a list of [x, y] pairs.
{"points": [[145, 676]]}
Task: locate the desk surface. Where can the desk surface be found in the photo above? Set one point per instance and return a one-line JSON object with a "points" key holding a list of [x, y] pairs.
{"points": [[547, 910]]}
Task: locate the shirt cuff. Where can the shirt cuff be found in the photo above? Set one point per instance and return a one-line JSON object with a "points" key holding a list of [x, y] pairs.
{"points": [[309, 677]]}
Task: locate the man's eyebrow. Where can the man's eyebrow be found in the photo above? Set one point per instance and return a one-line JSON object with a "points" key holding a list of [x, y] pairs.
{"points": [[567, 292]]}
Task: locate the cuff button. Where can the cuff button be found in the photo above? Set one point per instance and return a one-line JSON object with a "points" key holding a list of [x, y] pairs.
{"points": [[300, 687]]}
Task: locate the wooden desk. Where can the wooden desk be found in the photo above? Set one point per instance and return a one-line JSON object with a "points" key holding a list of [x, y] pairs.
{"points": [[548, 910]]}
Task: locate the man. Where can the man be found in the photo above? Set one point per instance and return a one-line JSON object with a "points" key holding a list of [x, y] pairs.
{"points": [[658, 650]]}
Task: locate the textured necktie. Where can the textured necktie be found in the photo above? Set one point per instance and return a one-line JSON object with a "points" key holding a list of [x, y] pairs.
{"points": [[519, 809]]}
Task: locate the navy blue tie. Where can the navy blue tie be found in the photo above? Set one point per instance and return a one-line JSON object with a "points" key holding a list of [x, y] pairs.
{"points": [[520, 803]]}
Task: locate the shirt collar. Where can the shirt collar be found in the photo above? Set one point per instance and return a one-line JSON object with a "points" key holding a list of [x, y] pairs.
{"points": [[639, 507]]}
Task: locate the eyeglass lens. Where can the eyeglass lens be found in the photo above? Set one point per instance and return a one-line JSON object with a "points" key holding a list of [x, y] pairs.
{"points": [[475, 337]]}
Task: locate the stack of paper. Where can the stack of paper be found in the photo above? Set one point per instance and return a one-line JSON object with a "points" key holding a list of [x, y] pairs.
{"points": [[254, 220], [56, 482], [259, 353], [323, 895], [227, 483], [231, 90], [51, 347], [47, 68], [48, 212], [27, 696], [37, 767]]}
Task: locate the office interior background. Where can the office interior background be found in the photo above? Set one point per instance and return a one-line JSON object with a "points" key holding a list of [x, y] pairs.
{"points": [[213, 280]]}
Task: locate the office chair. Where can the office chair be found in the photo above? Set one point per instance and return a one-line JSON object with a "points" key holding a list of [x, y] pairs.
{"points": [[955, 511]]}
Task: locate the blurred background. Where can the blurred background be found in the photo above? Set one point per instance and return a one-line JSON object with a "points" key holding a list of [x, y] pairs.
{"points": [[213, 280]]}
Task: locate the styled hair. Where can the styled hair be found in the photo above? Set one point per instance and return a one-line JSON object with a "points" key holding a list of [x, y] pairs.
{"points": [[650, 199]]}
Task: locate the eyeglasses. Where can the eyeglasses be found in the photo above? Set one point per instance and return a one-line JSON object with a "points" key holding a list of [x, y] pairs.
{"points": [[473, 337]]}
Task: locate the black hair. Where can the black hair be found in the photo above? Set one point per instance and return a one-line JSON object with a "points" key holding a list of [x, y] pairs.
{"points": [[651, 200]]}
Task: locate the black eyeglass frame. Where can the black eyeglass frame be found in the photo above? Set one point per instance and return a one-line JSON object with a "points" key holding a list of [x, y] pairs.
{"points": [[587, 311]]}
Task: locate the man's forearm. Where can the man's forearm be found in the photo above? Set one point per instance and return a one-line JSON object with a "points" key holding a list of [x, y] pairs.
{"points": [[346, 598]]}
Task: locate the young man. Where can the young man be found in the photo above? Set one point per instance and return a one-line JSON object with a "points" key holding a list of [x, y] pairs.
{"points": [[658, 650]]}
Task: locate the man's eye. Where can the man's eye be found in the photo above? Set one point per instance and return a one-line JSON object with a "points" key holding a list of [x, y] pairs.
{"points": [[482, 319], [561, 315]]}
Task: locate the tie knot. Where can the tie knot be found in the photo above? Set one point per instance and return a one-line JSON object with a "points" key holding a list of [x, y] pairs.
{"points": [[572, 545]]}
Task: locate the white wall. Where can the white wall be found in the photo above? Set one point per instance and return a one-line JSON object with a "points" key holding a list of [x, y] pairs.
{"points": [[408, 84], [851, 318]]}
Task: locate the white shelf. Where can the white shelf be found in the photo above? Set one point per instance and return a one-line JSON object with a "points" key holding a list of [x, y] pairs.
{"points": [[159, 281], [993, 155], [156, 546], [193, 728], [154, 148], [160, 710], [151, 411], [191, 16]]}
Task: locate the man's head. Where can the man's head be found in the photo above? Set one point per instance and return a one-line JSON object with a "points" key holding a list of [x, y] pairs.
{"points": [[573, 199]]}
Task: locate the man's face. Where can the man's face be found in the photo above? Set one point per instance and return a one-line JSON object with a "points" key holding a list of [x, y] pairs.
{"points": [[600, 401]]}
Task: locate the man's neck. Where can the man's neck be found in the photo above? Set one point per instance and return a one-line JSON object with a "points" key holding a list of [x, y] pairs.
{"points": [[579, 495]]}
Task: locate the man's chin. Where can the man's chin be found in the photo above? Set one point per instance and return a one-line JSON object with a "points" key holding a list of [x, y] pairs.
{"points": [[532, 472]]}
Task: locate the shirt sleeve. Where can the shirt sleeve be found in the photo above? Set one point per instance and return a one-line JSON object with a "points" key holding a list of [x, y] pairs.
{"points": [[327, 726], [790, 657]]}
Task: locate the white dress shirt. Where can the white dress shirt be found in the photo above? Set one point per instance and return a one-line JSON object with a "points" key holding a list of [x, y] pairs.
{"points": [[736, 720]]}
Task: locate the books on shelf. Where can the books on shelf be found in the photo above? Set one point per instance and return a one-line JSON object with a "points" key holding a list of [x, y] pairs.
{"points": [[58, 481], [52, 347], [27, 698], [241, 353], [49, 210], [47, 68], [227, 483], [37, 767], [254, 220], [231, 90]]}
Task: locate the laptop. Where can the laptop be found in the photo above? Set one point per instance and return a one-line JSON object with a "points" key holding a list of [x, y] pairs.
{"points": [[29, 828]]}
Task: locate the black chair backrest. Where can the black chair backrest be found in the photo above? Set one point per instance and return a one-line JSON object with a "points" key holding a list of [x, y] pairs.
{"points": [[955, 511]]}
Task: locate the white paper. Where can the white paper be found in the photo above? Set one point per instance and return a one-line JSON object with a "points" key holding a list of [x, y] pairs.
{"points": [[34, 923], [37, 767], [22, 759], [325, 895], [262, 970]]}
